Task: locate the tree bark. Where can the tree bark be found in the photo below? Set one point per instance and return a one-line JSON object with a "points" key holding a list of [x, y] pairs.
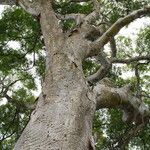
{"points": [[63, 116], [64, 113]]}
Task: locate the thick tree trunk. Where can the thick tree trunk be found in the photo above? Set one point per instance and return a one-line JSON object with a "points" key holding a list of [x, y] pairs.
{"points": [[63, 117]]}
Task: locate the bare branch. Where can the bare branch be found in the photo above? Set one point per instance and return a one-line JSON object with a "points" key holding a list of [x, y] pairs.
{"points": [[134, 110], [69, 16], [99, 75], [104, 69], [33, 7], [50, 26], [113, 47], [115, 28], [96, 5], [127, 61]]}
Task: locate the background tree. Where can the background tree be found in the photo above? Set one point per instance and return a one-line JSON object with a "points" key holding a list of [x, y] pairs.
{"points": [[98, 22]]}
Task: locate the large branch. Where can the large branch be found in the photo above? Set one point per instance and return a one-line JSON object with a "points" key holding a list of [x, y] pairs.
{"points": [[115, 28], [134, 109], [104, 69]]}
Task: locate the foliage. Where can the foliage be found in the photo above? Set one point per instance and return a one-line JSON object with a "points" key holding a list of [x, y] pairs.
{"points": [[22, 63]]}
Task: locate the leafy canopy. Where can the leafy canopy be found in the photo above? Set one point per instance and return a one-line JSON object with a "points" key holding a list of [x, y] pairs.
{"points": [[22, 62]]}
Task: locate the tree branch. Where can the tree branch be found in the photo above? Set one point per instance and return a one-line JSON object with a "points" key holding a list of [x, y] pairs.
{"points": [[8, 2], [134, 110], [96, 5], [115, 28], [3, 94], [99, 75], [79, 1], [127, 61], [9, 126], [69, 16], [6, 88], [91, 17], [138, 86], [32, 7], [104, 69], [77, 17], [127, 136], [50, 26], [113, 47], [4, 138], [20, 104]]}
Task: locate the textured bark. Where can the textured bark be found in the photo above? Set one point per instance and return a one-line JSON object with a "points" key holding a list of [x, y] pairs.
{"points": [[62, 119], [63, 116], [134, 110]]}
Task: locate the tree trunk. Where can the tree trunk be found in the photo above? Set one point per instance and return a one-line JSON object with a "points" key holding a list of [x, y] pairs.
{"points": [[63, 117]]}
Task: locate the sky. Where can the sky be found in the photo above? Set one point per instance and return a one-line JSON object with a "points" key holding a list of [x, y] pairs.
{"points": [[14, 44], [135, 26], [1, 8], [129, 31]]}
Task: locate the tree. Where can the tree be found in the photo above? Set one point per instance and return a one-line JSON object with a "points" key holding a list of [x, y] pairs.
{"points": [[74, 84]]}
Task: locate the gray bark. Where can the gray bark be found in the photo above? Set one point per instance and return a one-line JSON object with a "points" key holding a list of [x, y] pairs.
{"points": [[63, 116], [64, 113]]}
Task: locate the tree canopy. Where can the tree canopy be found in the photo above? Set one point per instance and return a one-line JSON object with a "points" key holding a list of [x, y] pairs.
{"points": [[22, 65]]}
